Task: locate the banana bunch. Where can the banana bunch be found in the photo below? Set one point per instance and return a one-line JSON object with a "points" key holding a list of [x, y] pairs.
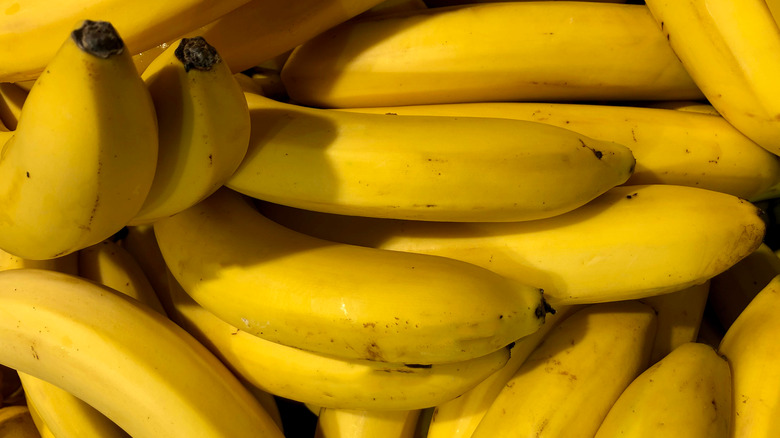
{"points": [[404, 219]]}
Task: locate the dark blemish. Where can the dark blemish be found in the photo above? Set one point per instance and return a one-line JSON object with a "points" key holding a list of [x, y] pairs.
{"points": [[391, 114], [418, 365], [28, 174], [632, 196], [633, 135], [211, 160], [34, 353]]}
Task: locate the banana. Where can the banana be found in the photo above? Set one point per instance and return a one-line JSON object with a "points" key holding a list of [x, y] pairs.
{"points": [[262, 29], [685, 394], [203, 127], [683, 147], [344, 423], [68, 263], [348, 301], [729, 48], [32, 30], [502, 51], [79, 165], [457, 418], [43, 430], [417, 167], [109, 264], [85, 338], [685, 105], [16, 422], [679, 315], [65, 415], [732, 290], [567, 385], [140, 242], [328, 381], [774, 9], [393, 6], [646, 240], [12, 99], [750, 345]]}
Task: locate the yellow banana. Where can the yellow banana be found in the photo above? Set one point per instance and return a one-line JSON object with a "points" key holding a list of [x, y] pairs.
{"points": [[685, 105], [457, 418], [671, 147], [750, 345], [140, 242], [85, 338], [729, 48], [12, 99], [32, 30], [16, 422], [68, 263], [328, 381], [344, 300], [109, 264], [417, 167], [732, 290], [79, 164], [647, 240], [43, 429], [502, 51], [685, 394], [203, 127], [679, 315], [65, 415], [263, 29], [774, 9], [567, 385], [343, 423]]}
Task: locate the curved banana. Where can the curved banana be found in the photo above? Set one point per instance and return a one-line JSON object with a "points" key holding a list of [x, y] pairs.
{"points": [[344, 300], [12, 99], [647, 240], [262, 29], [84, 338], [140, 242], [679, 315], [685, 394], [682, 147], [79, 165], [750, 345], [344, 423], [729, 48], [502, 51], [323, 380], [203, 127], [32, 30], [567, 385], [457, 418], [109, 264], [66, 415], [67, 263], [732, 290], [43, 429], [416, 167], [16, 422]]}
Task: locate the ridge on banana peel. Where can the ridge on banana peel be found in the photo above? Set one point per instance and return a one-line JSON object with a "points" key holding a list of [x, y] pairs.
{"points": [[501, 51], [325, 380], [730, 50], [750, 346], [32, 30], [686, 394], [567, 385], [646, 239], [422, 167], [686, 145], [78, 166], [344, 300], [85, 338], [203, 126]]}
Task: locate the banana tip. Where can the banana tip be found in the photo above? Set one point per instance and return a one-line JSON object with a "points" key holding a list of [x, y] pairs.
{"points": [[98, 38]]}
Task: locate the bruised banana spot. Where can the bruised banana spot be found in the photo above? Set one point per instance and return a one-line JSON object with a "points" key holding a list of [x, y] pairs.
{"points": [[597, 153]]}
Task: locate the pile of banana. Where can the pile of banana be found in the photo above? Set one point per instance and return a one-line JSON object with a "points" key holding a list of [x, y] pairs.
{"points": [[398, 219]]}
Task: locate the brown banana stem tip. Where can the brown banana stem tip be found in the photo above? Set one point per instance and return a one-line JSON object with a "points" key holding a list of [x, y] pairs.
{"points": [[196, 53], [98, 38]]}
